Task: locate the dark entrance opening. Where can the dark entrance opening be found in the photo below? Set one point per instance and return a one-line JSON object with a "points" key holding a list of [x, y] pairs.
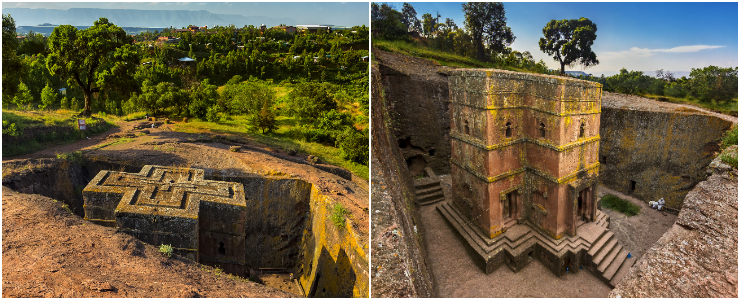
{"points": [[467, 127], [633, 185], [432, 151], [221, 248], [416, 165], [508, 129], [404, 143], [542, 129]]}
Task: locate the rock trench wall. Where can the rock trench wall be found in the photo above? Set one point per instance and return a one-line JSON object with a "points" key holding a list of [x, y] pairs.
{"points": [[657, 154], [288, 222]]}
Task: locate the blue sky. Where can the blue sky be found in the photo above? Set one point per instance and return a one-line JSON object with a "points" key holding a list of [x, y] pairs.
{"points": [[635, 36], [335, 13]]}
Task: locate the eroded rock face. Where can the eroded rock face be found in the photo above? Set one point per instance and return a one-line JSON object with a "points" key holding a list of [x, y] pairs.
{"points": [[652, 150], [417, 95], [697, 257]]}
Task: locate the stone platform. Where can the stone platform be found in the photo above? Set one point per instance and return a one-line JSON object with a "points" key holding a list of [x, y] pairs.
{"points": [[594, 247]]}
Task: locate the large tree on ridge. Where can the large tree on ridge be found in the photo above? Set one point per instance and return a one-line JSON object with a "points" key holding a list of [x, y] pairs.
{"points": [[486, 22], [570, 42], [77, 55]]}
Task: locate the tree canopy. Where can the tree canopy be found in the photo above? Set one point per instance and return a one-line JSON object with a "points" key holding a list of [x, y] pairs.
{"points": [[569, 42], [12, 66], [77, 55], [486, 22]]}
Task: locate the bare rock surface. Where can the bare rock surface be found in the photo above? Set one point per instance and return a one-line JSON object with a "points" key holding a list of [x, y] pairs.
{"points": [[697, 257], [633, 102]]}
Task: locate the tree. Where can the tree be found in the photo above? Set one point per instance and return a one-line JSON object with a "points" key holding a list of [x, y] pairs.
{"points": [[12, 67], [48, 97], [23, 97], [719, 84], [308, 100], [77, 55], [386, 22], [486, 22], [428, 24], [570, 42], [409, 18], [34, 43]]}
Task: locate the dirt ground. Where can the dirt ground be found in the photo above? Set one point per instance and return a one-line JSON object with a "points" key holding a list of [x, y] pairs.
{"points": [[458, 276], [49, 253]]}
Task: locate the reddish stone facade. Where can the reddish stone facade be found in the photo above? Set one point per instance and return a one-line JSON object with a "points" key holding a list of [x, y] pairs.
{"points": [[524, 149]]}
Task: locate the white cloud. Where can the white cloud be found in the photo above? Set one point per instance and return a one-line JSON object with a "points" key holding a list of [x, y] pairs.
{"points": [[645, 52]]}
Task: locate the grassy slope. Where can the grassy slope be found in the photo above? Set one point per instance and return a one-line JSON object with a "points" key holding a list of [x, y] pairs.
{"points": [[728, 108]]}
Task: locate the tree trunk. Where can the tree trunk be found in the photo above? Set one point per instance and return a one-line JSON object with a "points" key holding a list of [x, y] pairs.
{"points": [[562, 68], [480, 50], [87, 111]]}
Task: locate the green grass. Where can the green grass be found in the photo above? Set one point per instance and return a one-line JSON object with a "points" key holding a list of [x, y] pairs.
{"points": [[728, 108], [618, 204], [49, 129], [729, 138], [337, 215], [237, 125], [440, 57]]}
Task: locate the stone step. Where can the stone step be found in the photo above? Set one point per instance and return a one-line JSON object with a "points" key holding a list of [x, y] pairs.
{"points": [[608, 248], [609, 258], [430, 202], [461, 227], [425, 183], [596, 246], [623, 270], [431, 190], [608, 274], [431, 197]]}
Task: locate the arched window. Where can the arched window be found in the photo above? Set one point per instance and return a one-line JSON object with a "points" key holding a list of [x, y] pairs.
{"points": [[467, 127], [583, 129], [542, 129], [508, 129]]}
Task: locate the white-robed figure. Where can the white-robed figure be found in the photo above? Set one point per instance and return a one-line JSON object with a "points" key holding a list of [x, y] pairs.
{"points": [[657, 205]]}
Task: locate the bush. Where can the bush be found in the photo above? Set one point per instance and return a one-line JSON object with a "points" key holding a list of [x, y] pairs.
{"points": [[617, 204], [354, 145]]}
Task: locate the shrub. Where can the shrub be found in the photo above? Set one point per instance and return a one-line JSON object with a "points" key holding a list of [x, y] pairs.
{"points": [[166, 250], [9, 128], [729, 159], [729, 138], [617, 204], [354, 145], [71, 156], [337, 215]]}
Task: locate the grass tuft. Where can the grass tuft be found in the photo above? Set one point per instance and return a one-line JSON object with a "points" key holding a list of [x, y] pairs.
{"points": [[337, 215], [618, 204], [166, 250]]}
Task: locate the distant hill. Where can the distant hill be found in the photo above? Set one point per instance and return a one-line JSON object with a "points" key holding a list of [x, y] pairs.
{"points": [[136, 18], [676, 74]]}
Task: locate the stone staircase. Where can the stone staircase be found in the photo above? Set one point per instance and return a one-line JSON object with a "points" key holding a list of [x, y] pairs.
{"points": [[594, 245], [428, 189]]}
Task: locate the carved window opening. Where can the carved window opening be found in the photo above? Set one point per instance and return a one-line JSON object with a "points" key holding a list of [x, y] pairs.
{"points": [[542, 129], [583, 129], [467, 192], [633, 185], [508, 129], [221, 248], [467, 127]]}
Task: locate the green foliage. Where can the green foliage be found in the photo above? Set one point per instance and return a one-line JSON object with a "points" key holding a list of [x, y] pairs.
{"points": [[202, 97], [75, 157], [212, 114], [23, 98], [264, 120], [337, 215], [486, 23], [33, 44], [386, 22], [166, 250], [354, 145], [9, 128], [617, 204], [308, 100], [66, 207], [157, 98], [729, 159], [48, 97], [73, 53], [569, 42], [714, 83], [12, 67], [729, 138], [247, 98]]}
